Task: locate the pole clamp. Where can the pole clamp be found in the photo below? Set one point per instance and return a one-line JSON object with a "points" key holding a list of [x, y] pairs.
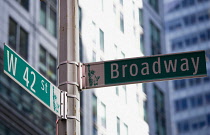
{"points": [[67, 82], [72, 117], [68, 62], [72, 96]]}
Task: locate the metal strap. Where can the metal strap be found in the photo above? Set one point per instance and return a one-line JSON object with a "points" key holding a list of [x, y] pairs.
{"points": [[67, 62], [72, 117], [67, 82], [72, 96]]}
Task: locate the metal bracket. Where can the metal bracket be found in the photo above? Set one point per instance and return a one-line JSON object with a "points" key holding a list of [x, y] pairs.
{"points": [[67, 82], [73, 117], [67, 62], [72, 96], [63, 104], [80, 76]]}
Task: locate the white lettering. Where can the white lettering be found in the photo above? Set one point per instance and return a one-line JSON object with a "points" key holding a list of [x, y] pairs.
{"points": [[158, 65], [170, 65], [114, 70], [146, 68], [195, 64], [123, 69], [186, 65], [11, 63], [131, 70]]}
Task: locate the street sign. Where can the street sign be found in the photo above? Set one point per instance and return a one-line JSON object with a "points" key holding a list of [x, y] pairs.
{"points": [[32, 81], [144, 69]]}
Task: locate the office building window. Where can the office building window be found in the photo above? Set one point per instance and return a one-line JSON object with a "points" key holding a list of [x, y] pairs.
{"points": [[48, 17], [183, 126], [121, 2], [142, 43], [94, 56], [159, 106], [141, 17], [117, 90], [101, 33], [18, 38], [154, 4], [124, 93], [181, 104], [125, 129], [102, 5], [103, 114], [118, 126], [24, 4], [207, 98], [155, 39], [121, 23], [122, 55], [179, 84], [47, 65], [94, 114]]}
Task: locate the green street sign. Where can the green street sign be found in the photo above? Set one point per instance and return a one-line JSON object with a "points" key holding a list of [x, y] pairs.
{"points": [[144, 69], [33, 82]]}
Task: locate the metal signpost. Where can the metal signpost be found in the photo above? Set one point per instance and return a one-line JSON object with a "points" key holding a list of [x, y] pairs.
{"points": [[144, 69], [32, 81]]}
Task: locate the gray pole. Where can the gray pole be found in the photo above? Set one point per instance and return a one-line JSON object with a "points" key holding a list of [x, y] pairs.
{"points": [[68, 56]]}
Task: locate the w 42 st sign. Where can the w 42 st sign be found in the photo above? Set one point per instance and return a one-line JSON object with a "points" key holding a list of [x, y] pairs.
{"points": [[33, 82]]}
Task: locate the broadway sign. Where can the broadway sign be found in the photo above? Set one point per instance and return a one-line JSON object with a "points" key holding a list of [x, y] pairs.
{"points": [[144, 69]]}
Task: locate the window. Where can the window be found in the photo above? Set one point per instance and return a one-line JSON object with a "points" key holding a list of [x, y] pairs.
{"points": [[121, 2], [94, 114], [123, 93], [102, 5], [94, 57], [125, 129], [103, 115], [48, 16], [101, 39], [183, 126], [141, 17], [179, 84], [122, 55], [24, 4], [121, 23], [159, 106], [18, 38], [118, 126], [117, 90], [207, 96], [47, 65], [155, 39], [142, 43], [154, 5], [181, 104]]}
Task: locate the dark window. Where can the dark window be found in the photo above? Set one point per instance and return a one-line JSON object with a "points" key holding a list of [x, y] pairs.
{"points": [[141, 17], [24, 3], [48, 16], [47, 65], [155, 39], [154, 4], [18, 38]]}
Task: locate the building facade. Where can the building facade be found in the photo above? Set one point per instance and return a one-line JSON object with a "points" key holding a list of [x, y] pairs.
{"points": [[153, 38], [30, 28], [177, 26], [187, 28], [111, 30]]}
